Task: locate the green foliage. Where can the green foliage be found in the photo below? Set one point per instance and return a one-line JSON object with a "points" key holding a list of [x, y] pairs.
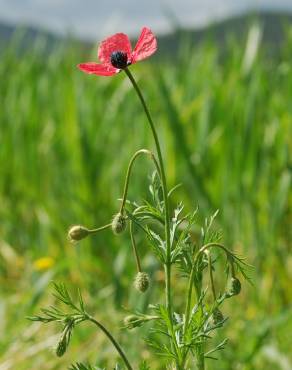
{"points": [[227, 138], [176, 336]]}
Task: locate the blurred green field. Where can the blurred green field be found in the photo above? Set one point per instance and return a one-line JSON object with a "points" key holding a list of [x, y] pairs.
{"points": [[65, 142]]}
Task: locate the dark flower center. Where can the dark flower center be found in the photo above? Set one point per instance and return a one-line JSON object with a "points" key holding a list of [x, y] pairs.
{"points": [[119, 59]]}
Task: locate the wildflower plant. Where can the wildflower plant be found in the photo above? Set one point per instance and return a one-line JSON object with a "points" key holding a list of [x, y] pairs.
{"points": [[183, 338]]}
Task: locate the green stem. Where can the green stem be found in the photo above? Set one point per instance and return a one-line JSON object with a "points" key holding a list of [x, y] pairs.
{"points": [[189, 298], [200, 347], [204, 249], [138, 264], [112, 339], [197, 284], [188, 309], [166, 204], [211, 275], [126, 186], [164, 187], [229, 255], [216, 245], [93, 231]]}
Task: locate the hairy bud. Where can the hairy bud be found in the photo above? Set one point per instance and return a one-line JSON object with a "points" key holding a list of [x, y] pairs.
{"points": [[61, 346], [217, 316], [141, 282], [234, 287], [77, 233], [118, 223]]}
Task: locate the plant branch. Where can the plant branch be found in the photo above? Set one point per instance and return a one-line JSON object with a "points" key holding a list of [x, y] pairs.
{"points": [[112, 339], [126, 186], [135, 248], [211, 274], [166, 206]]}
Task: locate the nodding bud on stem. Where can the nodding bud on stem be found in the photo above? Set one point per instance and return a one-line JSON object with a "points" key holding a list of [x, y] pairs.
{"points": [[77, 233], [141, 282], [119, 223], [217, 316], [234, 287], [61, 346]]}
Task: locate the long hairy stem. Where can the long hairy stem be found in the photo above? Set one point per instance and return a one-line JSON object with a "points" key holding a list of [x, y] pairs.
{"points": [[112, 339], [211, 274], [188, 308], [128, 175], [164, 186], [200, 347], [135, 251], [166, 206], [193, 282]]}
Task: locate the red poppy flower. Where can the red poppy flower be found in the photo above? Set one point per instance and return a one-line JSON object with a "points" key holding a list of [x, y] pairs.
{"points": [[115, 53]]}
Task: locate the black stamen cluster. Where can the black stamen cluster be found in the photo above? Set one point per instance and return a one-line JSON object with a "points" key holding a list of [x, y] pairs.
{"points": [[119, 59]]}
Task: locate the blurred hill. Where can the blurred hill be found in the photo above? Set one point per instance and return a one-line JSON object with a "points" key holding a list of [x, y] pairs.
{"points": [[273, 25], [27, 35]]}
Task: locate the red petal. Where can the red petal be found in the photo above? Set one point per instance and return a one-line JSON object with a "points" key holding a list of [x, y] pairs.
{"points": [[117, 42], [98, 69], [146, 45]]}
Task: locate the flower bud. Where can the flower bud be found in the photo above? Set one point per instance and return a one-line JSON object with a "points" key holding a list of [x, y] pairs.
{"points": [[141, 282], [61, 346], [118, 223], [234, 287], [77, 233], [132, 321], [217, 316]]}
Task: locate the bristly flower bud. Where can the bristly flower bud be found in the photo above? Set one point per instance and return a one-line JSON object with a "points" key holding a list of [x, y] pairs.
{"points": [[61, 346], [234, 287], [132, 321], [141, 282], [119, 223], [77, 233], [217, 316]]}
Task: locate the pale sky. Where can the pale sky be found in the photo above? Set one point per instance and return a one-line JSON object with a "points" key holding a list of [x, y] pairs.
{"points": [[91, 19]]}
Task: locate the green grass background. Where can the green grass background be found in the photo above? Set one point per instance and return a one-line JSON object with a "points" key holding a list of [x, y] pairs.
{"points": [[225, 121]]}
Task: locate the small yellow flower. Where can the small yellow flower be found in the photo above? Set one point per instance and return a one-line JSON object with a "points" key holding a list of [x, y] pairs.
{"points": [[43, 263]]}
